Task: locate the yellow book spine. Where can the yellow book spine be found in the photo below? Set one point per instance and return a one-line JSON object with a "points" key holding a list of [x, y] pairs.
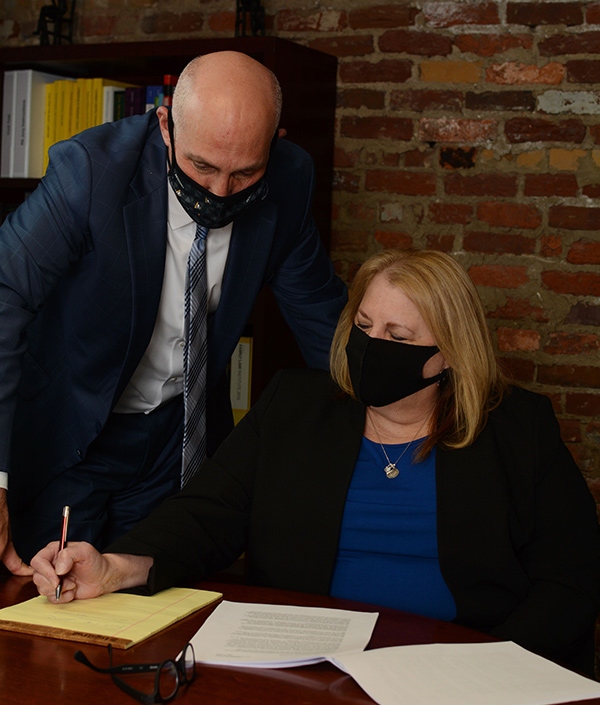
{"points": [[49, 120]]}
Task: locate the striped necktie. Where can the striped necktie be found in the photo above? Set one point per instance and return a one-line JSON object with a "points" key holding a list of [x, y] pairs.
{"points": [[194, 358]]}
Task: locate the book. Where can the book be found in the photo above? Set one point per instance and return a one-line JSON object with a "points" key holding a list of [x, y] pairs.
{"points": [[49, 121], [154, 97], [240, 380], [28, 140], [135, 100], [9, 92], [97, 102], [119, 619], [169, 83]]}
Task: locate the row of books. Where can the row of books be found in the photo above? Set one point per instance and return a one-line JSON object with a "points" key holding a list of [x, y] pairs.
{"points": [[39, 109]]}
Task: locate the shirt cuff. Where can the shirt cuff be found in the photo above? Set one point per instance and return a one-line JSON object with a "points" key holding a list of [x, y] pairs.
{"points": [[3, 480]]}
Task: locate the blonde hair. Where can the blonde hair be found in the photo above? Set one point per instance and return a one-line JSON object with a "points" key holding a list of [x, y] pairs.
{"points": [[448, 301]]}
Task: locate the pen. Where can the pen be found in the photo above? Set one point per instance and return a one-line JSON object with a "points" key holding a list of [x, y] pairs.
{"points": [[63, 542]]}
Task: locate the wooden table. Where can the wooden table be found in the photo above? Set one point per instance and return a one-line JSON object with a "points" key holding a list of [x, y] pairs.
{"points": [[42, 671]]}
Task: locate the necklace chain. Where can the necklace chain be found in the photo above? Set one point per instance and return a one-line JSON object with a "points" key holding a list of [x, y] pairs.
{"points": [[391, 469]]}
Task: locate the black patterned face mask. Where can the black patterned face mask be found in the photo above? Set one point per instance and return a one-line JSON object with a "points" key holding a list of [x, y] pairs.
{"points": [[385, 371], [203, 206]]}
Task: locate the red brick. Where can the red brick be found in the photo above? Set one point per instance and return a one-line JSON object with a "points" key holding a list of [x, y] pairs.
{"points": [[584, 252], [511, 73], [361, 97], [420, 100], [492, 44], [550, 246], [498, 275], [344, 46], [498, 244], [409, 183], [574, 218], [509, 215], [569, 375], [541, 130], [583, 71], [550, 185], [519, 309], [343, 158], [418, 158], [572, 344], [222, 21], [382, 16], [451, 14], [349, 240], [518, 369], [578, 43], [595, 133], [12, 31], [517, 340], [591, 190], [451, 213], [457, 157], [345, 181], [500, 100], [442, 243], [300, 21], [397, 241], [593, 13], [481, 185], [411, 42], [570, 430], [390, 158], [361, 212], [581, 404], [532, 14], [578, 283], [377, 127], [450, 130], [584, 314], [385, 71]]}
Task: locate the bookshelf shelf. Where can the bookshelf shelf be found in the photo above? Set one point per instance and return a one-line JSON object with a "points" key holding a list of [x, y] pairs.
{"points": [[308, 81]]}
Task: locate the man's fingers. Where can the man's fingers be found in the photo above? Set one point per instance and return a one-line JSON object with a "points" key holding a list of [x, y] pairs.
{"points": [[13, 562]]}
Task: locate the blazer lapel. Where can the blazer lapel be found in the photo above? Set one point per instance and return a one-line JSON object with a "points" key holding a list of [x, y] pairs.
{"points": [[251, 242], [145, 219]]}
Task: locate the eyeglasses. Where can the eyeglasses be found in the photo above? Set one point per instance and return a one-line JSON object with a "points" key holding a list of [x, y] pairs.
{"points": [[169, 675]]}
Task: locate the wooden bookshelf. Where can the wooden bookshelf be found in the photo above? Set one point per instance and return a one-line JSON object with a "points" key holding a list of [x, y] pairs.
{"points": [[308, 81]]}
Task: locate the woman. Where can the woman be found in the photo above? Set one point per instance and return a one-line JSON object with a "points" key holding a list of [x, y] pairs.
{"points": [[417, 479]]}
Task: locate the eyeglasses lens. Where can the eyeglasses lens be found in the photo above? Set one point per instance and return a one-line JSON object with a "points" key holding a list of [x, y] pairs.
{"points": [[168, 680]]}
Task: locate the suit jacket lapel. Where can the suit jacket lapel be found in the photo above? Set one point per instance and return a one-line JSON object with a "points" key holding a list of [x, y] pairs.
{"points": [[145, 219], [251, 242]]}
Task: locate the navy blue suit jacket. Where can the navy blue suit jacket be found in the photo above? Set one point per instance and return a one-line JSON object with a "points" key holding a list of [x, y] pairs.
{"points": [[82, 269]]}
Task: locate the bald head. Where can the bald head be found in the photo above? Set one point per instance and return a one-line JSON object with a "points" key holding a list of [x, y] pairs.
{"points": [[227, 88], [226, 109]]}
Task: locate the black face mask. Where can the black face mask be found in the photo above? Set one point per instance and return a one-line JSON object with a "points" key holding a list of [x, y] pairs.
{"points": [[203, 206], [385, 371]]}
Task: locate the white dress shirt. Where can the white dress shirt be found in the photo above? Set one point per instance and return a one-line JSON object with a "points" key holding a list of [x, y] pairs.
{"points": [[159, 375]]}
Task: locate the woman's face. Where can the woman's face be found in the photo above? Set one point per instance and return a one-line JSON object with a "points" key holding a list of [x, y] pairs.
{"points": [[386, 312]]}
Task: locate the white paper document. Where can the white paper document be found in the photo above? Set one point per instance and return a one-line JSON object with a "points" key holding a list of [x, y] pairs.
{"points": [[495, 673], [279, 636]]}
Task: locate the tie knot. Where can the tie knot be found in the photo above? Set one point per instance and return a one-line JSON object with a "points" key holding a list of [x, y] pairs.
{"points": [[201, 232]]}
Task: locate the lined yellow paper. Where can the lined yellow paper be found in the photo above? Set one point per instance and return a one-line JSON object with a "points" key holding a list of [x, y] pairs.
{"points": [[118, 619]]}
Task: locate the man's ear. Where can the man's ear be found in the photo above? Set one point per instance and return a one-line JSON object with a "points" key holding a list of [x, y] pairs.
{"points": [[162, 113]]}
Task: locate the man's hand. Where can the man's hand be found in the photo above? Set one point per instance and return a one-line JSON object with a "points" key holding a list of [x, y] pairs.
{"points": [[85, 572], [8, 555]]}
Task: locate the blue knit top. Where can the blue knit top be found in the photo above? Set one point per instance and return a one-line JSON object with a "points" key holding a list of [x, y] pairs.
{"points": [[388, 553]]}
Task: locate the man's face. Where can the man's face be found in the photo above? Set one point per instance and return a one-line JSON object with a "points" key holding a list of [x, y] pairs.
{"points": [[223, 161]]}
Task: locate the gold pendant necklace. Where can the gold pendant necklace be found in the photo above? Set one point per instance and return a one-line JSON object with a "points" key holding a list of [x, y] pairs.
{"points": [[391, 471]]}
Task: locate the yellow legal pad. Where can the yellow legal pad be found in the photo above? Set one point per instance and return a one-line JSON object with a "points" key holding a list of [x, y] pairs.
{"points": [[118, 619]]}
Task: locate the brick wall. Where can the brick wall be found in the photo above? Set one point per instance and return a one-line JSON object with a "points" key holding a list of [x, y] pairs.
{"points": [[470, 127]]}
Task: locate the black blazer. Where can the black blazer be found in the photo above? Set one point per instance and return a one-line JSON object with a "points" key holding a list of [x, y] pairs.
{"points": [[518, 536]]}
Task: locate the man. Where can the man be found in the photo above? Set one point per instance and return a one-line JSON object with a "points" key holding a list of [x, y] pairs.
{"points": [[92, 289]]}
